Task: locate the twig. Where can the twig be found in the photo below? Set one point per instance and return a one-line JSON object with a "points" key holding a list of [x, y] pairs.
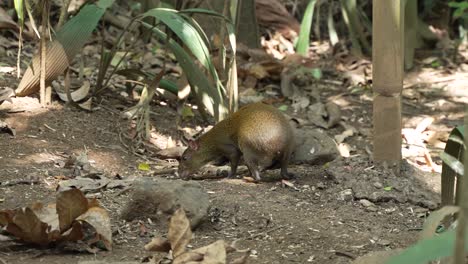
{"points": [[268, 231]]}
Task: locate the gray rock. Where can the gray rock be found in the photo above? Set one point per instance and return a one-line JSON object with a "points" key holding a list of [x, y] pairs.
{"points": [[313, 147], [366, 203], [378, 185], [158, 199], [346, 195]]}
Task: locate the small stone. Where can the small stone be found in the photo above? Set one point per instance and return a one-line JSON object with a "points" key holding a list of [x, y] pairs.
{"points": [[378, 185], [383, 242], [366, 203], [321, 186], [346, 195]]}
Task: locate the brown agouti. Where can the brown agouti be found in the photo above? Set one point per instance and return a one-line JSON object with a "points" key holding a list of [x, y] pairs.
{"points": [[258, 132]]}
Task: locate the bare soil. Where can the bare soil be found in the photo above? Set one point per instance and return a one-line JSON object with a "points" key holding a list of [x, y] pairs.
{"points": [[309, 224]]}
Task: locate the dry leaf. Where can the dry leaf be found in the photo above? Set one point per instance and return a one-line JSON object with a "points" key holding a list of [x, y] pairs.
{"points": [[26, 226], [76, 95], [215, 253], [98, 218], [70, 204], [188, 257], [158, 244], [179, 233]]}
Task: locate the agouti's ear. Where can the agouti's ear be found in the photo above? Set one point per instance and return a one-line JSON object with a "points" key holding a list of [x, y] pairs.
{"points": [[193, 144]]}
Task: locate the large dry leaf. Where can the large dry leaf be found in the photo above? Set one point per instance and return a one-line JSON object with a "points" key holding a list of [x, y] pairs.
{"points": [[26, 226], [57, 62], [70, 204], [158, 244], [215, 253], [98, 218], [179, 233]]}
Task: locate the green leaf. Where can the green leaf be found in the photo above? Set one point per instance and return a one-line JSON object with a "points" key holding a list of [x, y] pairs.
{"points": [[143, 166], [433, 221], [453, 163], [187, 112], [388, 188], [19, 7], [316, 73], [204, 89], [435, 64], [186, 32], [428, 249], [202, 11], [283, 108], [304, 34]]}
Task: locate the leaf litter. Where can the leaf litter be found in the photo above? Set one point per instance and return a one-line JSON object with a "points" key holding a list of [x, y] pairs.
{"points": [[72, 218]]}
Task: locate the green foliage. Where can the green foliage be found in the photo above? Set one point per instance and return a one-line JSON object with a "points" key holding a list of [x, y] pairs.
{"points": [[452, 156], [304, 34], [427, 250], [19, 7], [460, 8]]}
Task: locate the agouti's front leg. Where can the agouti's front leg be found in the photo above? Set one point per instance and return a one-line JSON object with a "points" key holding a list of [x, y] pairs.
{"points": [[233, 155]]}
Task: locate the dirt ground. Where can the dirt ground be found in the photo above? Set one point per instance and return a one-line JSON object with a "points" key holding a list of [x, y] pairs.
{"points": [[310, 223], [306, 224]]}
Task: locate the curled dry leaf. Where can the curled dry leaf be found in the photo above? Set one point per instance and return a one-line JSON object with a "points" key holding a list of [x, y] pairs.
{"points": [[158, 244], [76, 95], [98, 218], [179, 233]]}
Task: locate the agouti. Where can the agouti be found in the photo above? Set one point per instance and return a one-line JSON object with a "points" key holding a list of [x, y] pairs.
{"points": [[258, 132]]}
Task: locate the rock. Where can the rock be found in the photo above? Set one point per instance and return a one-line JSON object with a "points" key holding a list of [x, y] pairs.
{"points": [[321, 186], [313, 147], [366, 203], [346, 195], [378, 185], [153, 198], [383, 242]]}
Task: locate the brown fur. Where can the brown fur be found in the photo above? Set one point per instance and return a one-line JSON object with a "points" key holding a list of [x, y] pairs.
{"points": [[258, 132]]}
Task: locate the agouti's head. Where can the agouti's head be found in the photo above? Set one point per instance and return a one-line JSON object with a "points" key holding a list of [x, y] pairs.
{"points": [[191, 160]]}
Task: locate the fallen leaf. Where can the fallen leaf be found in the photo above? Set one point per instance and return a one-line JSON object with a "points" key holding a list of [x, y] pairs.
{"points": [[144, 166], [77, 95], [179, 233], [99, 219], [158, 244], [70, 204], [215, 253]]}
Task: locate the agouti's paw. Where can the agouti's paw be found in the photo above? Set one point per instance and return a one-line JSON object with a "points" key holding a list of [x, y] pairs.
{"points": [[288, 176]]}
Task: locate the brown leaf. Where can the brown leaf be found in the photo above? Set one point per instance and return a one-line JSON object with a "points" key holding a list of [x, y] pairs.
{"points": [[27, 227], [179, 233], [158, 244], [70, 204], [215, 253], [46, 214], [98, 218], [188, 257]]}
